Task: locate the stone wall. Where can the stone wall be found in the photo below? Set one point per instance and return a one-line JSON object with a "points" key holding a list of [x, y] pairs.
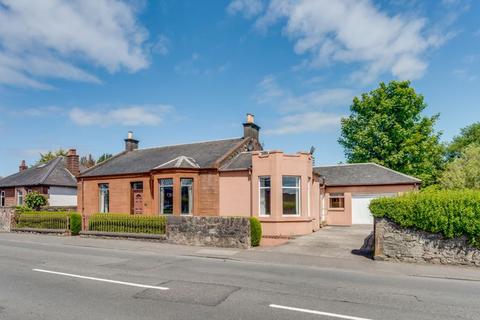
{"points": [[6, 215], [227, 232], [395, 243]]}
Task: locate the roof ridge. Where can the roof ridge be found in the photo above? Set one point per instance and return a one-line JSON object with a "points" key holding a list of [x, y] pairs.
{"points": [[184, 144], [50, 170], [344, 164]]}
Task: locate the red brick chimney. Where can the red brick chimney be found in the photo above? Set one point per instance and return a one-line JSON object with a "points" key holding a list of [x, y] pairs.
{"points": [[23, 166], [73, 162]]}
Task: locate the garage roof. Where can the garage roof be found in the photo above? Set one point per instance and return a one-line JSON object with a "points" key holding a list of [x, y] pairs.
{"points": [[359, 174]]}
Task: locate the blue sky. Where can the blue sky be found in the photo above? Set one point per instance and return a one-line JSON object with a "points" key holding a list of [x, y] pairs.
{"points": [[82, 73]]}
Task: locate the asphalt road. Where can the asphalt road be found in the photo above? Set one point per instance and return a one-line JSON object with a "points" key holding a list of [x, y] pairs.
{"points": [[48, 277]]}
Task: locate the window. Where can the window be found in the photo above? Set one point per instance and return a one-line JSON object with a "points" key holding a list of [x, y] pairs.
{"points": [[104, 198], [166, 196], [264, 185], [2, 199], [308, 196], [337, 200], [186, 190], [137, 186], [19, 197], [291, 195]]}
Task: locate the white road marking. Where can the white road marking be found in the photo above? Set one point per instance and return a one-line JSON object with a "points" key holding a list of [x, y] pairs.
{"points": [[320, 313], [102, 280]]}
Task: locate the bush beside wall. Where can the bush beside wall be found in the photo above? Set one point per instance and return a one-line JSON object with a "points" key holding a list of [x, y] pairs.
{"points": [[125, 223], [450, 213], [256, 231], [75, 223], [56, 221]]}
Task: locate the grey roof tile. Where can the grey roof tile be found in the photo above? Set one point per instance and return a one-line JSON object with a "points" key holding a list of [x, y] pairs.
{"points": [[52, 173], [204, 154], [242, 161], [362, 174]]}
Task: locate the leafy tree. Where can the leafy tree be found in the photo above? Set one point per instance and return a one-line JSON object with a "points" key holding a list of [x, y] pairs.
{"points": [[104, 157], [464, 171], [35, 200], [87, 161], [386, 126], [50, 155], [468, 135]]}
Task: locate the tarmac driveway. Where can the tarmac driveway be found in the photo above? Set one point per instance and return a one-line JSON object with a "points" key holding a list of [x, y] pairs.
{"points": [[330, 241]]}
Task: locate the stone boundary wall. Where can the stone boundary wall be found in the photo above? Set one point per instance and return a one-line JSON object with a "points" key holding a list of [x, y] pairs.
{"points": [[6, 215], [226, 232], [395, 243]]}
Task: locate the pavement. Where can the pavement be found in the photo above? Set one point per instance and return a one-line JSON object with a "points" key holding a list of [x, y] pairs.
{"points": [[52, 277]]}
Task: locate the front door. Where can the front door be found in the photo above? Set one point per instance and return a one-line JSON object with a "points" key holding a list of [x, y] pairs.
{"points": [[137, 198]]}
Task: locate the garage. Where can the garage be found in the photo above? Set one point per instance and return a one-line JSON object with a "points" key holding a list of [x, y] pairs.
{"points": [[360, 202]]}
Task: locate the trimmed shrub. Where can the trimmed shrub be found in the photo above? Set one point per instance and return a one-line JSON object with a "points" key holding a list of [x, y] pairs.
{"points": [[75, 223], [57, 221], [255, 231], [450, 213], [125, 223], [35, 200]]}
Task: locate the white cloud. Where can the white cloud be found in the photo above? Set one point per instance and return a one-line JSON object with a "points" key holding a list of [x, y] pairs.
{"points": [[464, 74], [354, 32], [269, 92], [52, 38], [196, 65], [306, 122], [34, 112], [162, 46], [249, 8], [145, 115]]}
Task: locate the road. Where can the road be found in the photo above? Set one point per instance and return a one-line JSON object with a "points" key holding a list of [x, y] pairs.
{"points": [[49, 277]]}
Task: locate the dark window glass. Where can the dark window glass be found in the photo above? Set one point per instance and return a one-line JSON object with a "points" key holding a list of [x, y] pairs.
{"points": [[186, 185], [337, 200], [166, 196]]}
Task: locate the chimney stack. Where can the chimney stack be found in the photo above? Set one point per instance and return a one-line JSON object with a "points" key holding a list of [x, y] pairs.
{"points": [[23, 166], [130, 143], [250, 129], [73, 163]]}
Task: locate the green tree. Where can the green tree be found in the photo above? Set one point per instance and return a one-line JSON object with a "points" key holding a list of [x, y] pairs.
{"points": [[50, 155], [104, 157], [87, 161], [468, 135], [386, 126], [35, 200], [464, 171]]}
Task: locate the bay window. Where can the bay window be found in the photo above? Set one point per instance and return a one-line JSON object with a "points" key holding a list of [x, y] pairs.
{"points": [[264, 187], [186, 190], [291, 195], [166, 196]]}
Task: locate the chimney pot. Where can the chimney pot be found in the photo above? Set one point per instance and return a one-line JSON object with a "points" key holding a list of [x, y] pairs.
{"points": [[23, 166], [250, 118], [130, 143]]}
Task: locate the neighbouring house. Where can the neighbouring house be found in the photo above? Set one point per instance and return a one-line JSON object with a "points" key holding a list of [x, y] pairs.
{"points": [[54, 179], [231, 177], [349, 188]]}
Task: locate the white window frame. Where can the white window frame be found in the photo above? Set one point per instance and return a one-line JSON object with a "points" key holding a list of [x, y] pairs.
{"points": [[298, 198], [20, 196], [336, 195], [102, 208], [309, 182], [161, 191], [260, 188], [190, 196], [3, 200]]}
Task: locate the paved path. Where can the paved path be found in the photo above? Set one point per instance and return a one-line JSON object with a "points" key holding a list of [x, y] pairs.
{"points": [[49, 277]]}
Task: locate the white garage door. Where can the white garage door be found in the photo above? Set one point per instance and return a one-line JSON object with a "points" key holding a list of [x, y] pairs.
{"points": [[360, 202]]}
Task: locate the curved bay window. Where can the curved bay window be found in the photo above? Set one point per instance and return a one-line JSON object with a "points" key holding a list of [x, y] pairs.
{"points": [[264, 185], [186, 190], [291, 195], [166, 196]]}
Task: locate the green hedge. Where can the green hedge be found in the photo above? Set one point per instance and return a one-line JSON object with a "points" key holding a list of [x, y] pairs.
{"points": [[58, 221], [111, 222], [451, 213], [255, 231], [75, 223]]}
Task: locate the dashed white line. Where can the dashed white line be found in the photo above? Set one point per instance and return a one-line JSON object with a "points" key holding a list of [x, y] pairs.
{"points": [[131, 284], [320, 313]]}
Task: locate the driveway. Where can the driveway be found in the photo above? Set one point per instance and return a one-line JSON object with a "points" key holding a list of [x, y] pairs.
{"points": [[334, 242]]}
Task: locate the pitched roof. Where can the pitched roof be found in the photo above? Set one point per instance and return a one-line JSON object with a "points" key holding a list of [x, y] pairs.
{"points": [[52, 173], [357, 174], [241, 161], [191, 155]]}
